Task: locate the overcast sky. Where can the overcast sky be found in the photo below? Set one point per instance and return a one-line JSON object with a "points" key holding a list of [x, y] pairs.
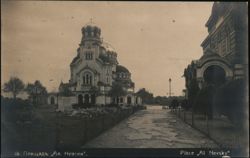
{"points": [[154, 40]]}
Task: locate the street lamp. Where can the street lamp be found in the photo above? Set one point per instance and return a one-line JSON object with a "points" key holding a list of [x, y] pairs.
{"points": [[169, 87]]}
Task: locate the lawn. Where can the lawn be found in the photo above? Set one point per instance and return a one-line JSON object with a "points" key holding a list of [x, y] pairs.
{"points": [[44, 129]]}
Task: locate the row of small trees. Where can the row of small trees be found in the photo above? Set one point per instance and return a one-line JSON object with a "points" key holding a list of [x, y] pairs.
{"points": [[229, 99], [16, 85]]}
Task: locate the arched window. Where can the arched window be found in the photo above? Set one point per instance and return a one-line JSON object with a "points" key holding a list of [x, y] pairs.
{"points": [[121, 100], [87, 78], [90, 80], [84, 79], [88, 55], [129, 100]]}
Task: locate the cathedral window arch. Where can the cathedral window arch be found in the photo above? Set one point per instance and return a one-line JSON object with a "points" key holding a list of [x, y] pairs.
{"points": [[87, 78], [88, 55]]}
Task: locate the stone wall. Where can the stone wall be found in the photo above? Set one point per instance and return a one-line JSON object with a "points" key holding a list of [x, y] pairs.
{"points": [[65, 103]]}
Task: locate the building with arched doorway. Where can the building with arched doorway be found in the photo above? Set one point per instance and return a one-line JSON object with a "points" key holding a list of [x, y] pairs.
{"points": [[93, 72], [225, 49], [52, 98]]}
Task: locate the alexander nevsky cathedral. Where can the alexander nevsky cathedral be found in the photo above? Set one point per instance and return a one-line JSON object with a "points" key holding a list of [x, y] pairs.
{"points": [[94, 71]]}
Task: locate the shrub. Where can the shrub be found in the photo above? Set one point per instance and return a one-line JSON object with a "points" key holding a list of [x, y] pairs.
{"points": [[193, 90], [204, 101], [185, 105]]}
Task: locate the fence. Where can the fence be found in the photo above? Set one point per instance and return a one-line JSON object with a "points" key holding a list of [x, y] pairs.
{"points": [[219, 129]]}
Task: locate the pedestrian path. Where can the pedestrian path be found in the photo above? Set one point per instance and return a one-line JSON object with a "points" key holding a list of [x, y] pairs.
{"points": [[151, 128]]}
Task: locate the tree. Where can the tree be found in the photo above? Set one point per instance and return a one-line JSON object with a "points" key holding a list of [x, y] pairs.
{"points": [[36, 90], [65, 91], [158, 100], [117, 90], [204, 101], [146, 96], [14, 85], [174, 104], [162, 100], [193, 90]]}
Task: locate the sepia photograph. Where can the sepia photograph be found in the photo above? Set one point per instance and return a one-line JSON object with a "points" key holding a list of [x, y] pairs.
{"points": [[124, 79]]}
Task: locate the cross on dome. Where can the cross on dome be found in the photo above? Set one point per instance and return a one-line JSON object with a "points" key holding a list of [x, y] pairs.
{"points": [[91, 20]]}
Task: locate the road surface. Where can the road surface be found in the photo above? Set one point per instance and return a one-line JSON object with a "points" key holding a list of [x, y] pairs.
{"points": [[151, 128]]}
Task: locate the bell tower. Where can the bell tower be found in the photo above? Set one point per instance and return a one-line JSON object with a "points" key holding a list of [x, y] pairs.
{"points": [[91, 33]]}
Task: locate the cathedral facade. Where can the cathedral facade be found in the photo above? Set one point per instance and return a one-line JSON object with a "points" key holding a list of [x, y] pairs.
{"points": [[94, 74], [225, 49]]}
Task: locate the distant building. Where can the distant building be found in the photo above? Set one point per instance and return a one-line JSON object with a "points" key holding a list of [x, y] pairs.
{"points": [[225, 49], [93, 72]]}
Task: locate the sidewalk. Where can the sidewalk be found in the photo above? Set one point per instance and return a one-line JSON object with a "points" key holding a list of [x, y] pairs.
{"points": [[152, 128]]}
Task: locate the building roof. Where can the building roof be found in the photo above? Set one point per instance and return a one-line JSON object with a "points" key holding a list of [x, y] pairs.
{"points": [[217, 10], [67, 85], [75, 59], [208, 54], [220, 8]]}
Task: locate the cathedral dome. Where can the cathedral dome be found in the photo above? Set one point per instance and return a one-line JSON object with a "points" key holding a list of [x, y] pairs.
{"points": [[120, 68], [91, 32], [108, 47]]}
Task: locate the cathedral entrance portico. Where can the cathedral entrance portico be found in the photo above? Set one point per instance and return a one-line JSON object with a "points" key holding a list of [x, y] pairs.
{"points": [[80, 99], [86, 99], [52, 100], [213, 71], [93, 99], [214, 75]]}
